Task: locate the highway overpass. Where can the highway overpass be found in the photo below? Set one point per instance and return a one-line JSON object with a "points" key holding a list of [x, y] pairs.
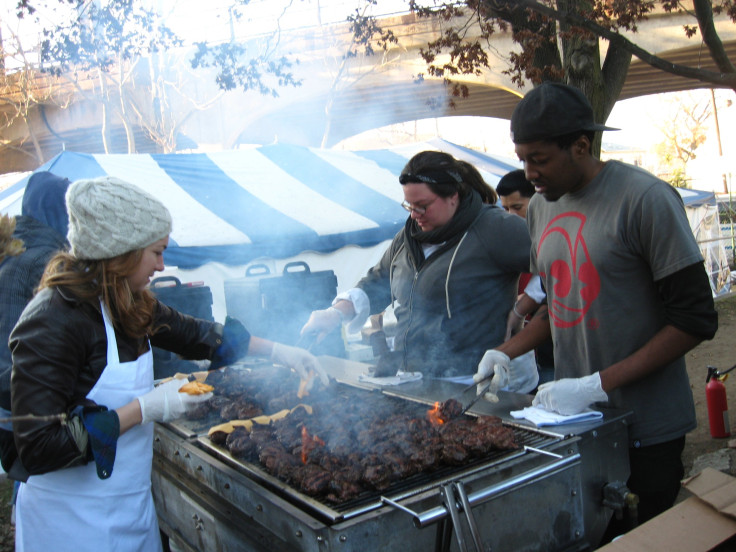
{"points": [[335, 101]]}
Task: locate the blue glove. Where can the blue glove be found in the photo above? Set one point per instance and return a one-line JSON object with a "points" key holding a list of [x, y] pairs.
{"points": [[235, 343], [103, 428]]}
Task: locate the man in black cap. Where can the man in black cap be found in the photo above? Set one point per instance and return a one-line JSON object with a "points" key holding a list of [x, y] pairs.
{"points": [[42, 227], [628, 294]]}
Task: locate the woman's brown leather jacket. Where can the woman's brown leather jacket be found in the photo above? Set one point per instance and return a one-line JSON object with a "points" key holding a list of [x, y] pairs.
{"points": [[59, 350]]}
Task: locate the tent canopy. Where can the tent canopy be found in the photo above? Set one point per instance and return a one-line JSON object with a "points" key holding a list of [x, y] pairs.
{"points": [[235, 206], [279, 201], [697, 198]]}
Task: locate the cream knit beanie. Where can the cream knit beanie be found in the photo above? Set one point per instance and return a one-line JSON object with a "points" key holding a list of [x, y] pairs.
{"points": [[109, 217]]}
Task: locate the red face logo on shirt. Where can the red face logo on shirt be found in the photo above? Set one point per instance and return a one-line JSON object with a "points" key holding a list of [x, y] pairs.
{"points": [[573, 282]]}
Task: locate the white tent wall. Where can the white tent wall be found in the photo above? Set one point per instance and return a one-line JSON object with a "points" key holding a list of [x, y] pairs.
{"points": [[705, 224]]}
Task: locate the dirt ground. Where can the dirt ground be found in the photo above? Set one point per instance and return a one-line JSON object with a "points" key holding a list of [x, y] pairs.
{"points": [[719, 352]]}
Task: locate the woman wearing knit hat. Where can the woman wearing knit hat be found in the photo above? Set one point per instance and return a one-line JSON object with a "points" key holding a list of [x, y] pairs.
{"points": [[83, 367]]}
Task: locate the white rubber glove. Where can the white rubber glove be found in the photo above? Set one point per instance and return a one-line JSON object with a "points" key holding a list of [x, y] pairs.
{"points": [[523, 374], [322, 322], [164, 403], [493, 363], [514, 324], [571, 395], [299, 360]]}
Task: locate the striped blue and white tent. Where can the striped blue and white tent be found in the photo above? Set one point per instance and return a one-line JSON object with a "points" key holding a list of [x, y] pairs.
{"points": [[231, 207], [335, 210]]}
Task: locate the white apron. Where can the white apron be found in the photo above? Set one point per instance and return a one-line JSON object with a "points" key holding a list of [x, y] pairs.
{"points": [[72, 509]]}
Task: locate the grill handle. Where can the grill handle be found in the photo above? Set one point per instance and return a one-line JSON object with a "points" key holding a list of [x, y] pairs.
{"points": [[448, 494], [468, 514], [439, 513], [388, 501]]}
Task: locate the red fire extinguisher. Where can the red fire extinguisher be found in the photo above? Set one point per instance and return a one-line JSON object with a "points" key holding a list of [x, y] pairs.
{"points": [[715, 395]]}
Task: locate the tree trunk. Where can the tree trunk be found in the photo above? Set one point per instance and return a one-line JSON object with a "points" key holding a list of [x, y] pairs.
{"points": [[582, 63]]}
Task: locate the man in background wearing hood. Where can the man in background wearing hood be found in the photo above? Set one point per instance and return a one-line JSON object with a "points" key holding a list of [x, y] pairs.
{"points": [[42, 228]]}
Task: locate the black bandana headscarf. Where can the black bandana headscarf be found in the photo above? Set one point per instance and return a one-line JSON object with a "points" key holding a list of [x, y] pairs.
{"points": [[449, 233]]}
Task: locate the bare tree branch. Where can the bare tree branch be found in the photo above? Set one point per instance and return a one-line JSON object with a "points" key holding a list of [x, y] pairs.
{"points": [[704, 15], [724, 79]]}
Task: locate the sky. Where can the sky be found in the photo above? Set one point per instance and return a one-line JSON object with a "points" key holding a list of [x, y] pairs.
{"points": [[262, 14], [640, 122], [189, 19]]}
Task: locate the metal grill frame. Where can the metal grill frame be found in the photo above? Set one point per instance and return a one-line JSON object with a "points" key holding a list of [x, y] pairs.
{"points": [[206, 502], [196, 430]]}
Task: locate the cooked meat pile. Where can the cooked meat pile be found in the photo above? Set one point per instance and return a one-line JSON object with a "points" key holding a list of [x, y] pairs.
{"points": [[450, 409], [354, 441]]}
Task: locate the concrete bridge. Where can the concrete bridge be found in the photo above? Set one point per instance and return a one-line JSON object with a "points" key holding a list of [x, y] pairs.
{"points": [[336, 100]]}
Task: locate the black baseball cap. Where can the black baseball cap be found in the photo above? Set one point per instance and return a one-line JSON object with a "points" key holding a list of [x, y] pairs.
{"points": [[550, 110]]}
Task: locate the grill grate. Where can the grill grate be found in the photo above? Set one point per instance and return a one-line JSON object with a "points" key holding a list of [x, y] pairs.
{"points": [[420, 482], [331, 513]]}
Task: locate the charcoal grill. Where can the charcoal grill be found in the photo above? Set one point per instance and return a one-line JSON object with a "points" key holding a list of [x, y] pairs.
{"points": [[545, 496]]}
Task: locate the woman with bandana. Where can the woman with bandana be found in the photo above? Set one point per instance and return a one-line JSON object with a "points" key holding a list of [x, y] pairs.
{"points": [[451, 273]]}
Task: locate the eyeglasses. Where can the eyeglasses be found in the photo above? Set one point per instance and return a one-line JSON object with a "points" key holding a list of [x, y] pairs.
{"points": [[418, 210]]}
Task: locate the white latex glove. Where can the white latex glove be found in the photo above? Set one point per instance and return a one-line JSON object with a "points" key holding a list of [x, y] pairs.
{"points": [[301, 361], [322, 322], [493, 363], [571, 395], [164, 403], [523, 374], [514, 324]]}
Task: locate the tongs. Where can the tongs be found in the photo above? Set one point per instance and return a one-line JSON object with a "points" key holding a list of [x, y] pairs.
{"points": [[477, 398]]}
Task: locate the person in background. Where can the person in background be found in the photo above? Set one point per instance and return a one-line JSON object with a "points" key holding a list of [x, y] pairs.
{"points": [[628, 294], [41, 228], [82, 367], [515, 192], [451, 274]]}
